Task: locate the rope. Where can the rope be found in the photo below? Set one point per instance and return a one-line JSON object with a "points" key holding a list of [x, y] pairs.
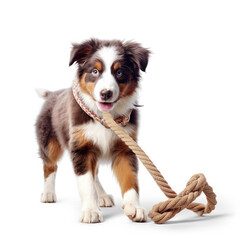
{"points": [[164, 211]]}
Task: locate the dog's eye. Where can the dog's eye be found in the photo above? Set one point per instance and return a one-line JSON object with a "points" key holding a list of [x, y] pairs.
{"points": [[95, 72], [119, 73]]}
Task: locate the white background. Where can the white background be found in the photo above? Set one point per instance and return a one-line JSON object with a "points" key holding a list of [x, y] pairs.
{"points": [[190, 122]]}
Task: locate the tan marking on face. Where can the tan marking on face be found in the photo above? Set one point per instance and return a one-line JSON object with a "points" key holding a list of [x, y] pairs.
{"points": [[116, 66], [98, 66], [87, 87]]}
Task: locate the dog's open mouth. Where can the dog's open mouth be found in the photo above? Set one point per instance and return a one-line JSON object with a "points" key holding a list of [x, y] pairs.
{"points": [[105, 106]]}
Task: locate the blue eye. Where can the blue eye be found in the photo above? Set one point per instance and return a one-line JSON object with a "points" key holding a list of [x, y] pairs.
{"points": [[119, 73], [95, 72]]}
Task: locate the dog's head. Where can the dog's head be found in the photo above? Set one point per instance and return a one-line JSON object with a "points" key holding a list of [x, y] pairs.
{"points": [[108, 72]]}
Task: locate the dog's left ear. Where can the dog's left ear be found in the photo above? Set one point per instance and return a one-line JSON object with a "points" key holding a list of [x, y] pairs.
{"points": [[136, 53]]}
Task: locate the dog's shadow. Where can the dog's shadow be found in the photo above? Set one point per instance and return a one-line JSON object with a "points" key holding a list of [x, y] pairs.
{"points": [[110, 212], [115, 211], [197, 219]]}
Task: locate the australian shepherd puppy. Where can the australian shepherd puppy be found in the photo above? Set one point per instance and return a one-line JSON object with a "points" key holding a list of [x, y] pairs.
{"points": [[107, 80]]}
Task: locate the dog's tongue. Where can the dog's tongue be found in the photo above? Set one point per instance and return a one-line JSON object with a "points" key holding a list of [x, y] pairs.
{"points": [[105, 106]]}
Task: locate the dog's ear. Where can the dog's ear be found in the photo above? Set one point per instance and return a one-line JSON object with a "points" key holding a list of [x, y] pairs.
{"points": [[137, 54], [81, 52]]}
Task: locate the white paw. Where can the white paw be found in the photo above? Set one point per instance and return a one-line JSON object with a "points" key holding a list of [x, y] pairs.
{"points": [[48, 197], [91, 216], [105, 201], [136, 214]]}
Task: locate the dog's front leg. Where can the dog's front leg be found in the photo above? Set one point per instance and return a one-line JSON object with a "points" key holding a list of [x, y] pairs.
{"points": [[84, 157], [90, 212], [125, 169]]}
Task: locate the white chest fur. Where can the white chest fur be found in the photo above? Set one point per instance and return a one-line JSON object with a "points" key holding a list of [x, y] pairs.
{"points": [[102, 137]]}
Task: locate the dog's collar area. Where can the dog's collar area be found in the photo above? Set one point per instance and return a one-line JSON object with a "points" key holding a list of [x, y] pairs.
{"points": [[122, 119]]}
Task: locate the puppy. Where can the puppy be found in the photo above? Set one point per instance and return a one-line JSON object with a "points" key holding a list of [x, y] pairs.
{"points": [[107, 80]]}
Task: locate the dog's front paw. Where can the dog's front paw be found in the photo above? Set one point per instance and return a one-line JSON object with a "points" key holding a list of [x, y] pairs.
{"points": [[91, 216], [105, 201], [48, 197], [136, 214]]}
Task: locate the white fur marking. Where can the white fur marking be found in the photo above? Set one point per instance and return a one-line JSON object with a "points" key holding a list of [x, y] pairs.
{"points": [[131, 197], [101, 136], [90, 210], [131, 207], [48, 194], [108, 55], [107, 81], [42, 92]]}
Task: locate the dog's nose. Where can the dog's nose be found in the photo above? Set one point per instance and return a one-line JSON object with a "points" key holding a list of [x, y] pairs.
{"points": [[106, 94]]}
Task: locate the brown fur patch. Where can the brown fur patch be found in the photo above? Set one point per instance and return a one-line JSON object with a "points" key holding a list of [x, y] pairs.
{"points": [[85, 154], [54, 153], [54, 150], [48, 169], [125, 167], [127, 178], [127, 89]]}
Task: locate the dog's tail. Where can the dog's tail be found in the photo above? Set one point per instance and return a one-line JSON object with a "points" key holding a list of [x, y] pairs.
{"points": [[42, 92]]}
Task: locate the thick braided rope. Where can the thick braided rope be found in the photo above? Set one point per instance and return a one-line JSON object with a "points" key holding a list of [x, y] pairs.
{"points": [[164, 211]]}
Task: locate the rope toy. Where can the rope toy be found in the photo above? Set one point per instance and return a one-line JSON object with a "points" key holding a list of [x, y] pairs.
{"points": [[164, 211]]}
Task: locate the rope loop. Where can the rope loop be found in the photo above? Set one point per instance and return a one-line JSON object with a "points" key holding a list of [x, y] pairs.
{"points": [[164, 211]]}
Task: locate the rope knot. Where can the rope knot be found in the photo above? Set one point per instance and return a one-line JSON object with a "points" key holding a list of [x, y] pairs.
{"points": [[197, 184]]}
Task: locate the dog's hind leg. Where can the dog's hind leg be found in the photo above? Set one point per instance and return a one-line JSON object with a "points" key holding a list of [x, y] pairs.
{"points": [[54, 153], [49, 148], [104, 199]]}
